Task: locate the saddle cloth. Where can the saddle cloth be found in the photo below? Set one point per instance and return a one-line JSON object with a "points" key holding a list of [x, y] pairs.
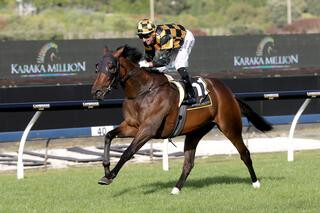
{"points": [[202, 100], [200, 89]]}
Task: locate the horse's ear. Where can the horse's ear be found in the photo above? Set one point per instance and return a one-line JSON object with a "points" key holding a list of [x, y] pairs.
{"points": [[105, 50], [118, 52]]}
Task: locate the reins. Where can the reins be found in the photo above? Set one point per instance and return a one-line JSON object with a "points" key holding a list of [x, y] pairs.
{"points": [[150, 89], [111, 85], [131, 73]]}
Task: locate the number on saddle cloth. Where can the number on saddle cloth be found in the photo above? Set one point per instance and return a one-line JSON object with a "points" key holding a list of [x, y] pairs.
{"points": [[200, 89], [199, 86]]}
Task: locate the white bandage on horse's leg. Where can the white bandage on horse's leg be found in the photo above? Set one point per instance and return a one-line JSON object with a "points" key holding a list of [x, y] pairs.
{"points": [[256, 184], [175, 191]]}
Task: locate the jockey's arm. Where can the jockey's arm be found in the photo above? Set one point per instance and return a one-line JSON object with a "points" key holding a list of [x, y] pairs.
{"points": [[149, 55], [162, 58], [149, 52]]}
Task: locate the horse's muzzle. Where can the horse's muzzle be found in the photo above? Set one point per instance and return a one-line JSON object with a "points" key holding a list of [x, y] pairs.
{"points": [[98, 95]]}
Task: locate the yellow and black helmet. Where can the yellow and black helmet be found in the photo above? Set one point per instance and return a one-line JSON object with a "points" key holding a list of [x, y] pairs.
{"points": [[145, 26]]}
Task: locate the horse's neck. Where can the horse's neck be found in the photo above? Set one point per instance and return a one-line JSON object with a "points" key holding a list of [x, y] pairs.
{"points": [[141, 82], [138, 82]]}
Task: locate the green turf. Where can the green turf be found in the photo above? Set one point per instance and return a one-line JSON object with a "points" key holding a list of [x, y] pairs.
{"points": [[216, 184]]}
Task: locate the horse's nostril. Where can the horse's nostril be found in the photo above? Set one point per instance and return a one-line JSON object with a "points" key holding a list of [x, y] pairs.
{"points": [[98, 94]]}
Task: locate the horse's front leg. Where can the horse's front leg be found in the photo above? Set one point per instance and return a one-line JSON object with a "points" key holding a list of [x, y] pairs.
{"points": [[144, 135], [106, 155], [152, 118], [123, 130]]}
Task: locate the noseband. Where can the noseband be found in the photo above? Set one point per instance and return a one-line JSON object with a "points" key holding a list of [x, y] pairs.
{"points": [[112, 73]]}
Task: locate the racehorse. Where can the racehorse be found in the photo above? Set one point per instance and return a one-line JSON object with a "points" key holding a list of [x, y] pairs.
{"points": [[150, 110]]}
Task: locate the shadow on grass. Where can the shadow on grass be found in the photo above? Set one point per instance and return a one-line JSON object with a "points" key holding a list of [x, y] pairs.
{"points": [[194, 183], [127, 190], [203, 182]]}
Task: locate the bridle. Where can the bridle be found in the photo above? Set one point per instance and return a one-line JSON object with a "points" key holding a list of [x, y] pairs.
{"points": [[114, 73], [129, 74], [111, 72]]}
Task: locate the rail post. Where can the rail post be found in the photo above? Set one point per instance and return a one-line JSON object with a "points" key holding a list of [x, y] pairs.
{"points": [[293, 126], [20, 172], [165, 157]]}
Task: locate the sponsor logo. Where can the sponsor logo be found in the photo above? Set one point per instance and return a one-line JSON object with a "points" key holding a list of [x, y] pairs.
{"points": [[48, 64], [41, 106], [271, 96], [90, 105], [266, 57], [43, 52]]}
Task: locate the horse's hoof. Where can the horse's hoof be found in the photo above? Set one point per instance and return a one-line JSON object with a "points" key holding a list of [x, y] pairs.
{"points": [[256, 184], [105, 181], [175, 191]]}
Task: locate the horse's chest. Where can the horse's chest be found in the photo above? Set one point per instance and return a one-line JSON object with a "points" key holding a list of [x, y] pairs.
{"points": [[137, 112]]}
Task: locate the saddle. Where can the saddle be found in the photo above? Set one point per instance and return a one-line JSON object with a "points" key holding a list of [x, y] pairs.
{"points": [[202, 100], [199, 86]]}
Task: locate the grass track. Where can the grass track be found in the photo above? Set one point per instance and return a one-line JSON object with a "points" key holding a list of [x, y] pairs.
{"points": [[216, 184]]}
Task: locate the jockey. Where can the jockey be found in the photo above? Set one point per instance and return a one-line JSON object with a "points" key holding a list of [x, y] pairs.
{"points": [[167, 46]]}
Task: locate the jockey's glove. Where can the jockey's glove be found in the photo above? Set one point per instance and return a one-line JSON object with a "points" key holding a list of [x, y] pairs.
{"points": [[144, 63]]}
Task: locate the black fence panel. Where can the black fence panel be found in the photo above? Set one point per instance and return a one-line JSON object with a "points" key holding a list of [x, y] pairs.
{"points": [[32, 71], [65, 62]]}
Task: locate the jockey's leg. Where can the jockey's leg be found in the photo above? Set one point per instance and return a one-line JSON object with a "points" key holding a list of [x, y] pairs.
{"points": [[189, 90]]}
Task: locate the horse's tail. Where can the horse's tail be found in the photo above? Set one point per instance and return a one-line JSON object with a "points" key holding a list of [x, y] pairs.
{"points": [[258, 121]]}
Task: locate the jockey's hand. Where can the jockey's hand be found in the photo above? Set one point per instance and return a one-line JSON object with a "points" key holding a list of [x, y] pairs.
{"points": [[144, 63]]}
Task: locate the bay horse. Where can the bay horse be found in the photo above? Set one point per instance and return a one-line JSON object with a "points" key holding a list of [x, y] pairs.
{"points": [[150, 110]]}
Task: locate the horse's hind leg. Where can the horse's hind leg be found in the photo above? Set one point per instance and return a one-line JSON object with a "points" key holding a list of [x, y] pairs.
{"points": [[245, 157], [232, 131], [190, 145]]}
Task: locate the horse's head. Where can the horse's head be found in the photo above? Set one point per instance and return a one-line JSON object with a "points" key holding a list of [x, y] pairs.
{"points": [[108, 69]]}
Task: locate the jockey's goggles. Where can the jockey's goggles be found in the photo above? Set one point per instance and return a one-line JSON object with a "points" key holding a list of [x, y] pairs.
{"points": [[141, 36]]}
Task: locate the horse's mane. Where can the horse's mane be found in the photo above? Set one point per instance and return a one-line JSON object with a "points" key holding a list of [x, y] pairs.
{"points": [[132, 53]]}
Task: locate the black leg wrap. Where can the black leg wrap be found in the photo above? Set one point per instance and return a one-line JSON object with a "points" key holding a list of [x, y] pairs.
{"points": [[106, 155], [106, 163]]}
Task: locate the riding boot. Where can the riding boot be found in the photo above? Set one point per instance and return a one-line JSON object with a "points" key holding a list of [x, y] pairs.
{"points": [[189, 89]]}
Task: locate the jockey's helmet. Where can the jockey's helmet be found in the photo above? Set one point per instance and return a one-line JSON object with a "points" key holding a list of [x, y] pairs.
{"points": [[145, 26]]}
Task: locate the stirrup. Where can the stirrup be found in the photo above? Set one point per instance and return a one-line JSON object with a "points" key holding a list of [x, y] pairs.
{"points": [[189, 101]]}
